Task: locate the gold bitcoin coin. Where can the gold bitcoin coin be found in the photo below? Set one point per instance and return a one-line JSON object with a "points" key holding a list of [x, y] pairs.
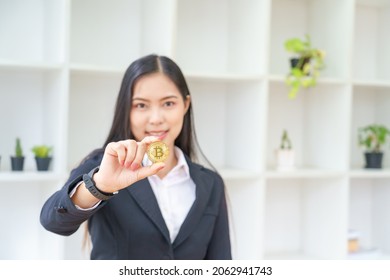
{"points": [[158, 152]]}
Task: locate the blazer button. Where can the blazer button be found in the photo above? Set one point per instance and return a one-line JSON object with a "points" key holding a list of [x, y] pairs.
{"points": [[166, 257], [61, 209]]}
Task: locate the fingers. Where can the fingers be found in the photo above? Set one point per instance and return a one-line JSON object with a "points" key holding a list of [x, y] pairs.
{"points": [[147, 171], [150, 139], [118, 150], [130, 153], [141, 150]]}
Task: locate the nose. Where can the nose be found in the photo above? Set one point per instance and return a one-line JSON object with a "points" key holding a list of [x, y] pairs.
{"points": [[156, 116]]}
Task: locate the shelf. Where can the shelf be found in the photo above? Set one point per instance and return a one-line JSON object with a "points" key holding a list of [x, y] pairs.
{"points": [[229, 37], [299, 213], [96, 69], [212, 77], [367, 254], [320, 81], [220, 133], [33, 31], [308, 119], [59, 57], [304, 173], [371, 41], [370, 173], [123, 32], [289, 256], [29, 176], [311, 17], [373, 3], [385, 84], [102, 91], [23, 66], [237, 174], [369, 105], [369, 212]]}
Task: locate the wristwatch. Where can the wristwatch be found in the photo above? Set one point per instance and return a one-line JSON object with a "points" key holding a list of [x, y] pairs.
{"points": [[91, 186]]}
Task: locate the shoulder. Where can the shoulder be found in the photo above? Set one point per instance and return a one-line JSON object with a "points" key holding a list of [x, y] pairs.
{"points": [[208, 171], [198, 170]]}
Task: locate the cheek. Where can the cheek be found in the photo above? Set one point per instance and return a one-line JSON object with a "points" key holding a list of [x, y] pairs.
{"points": [[136, 125], [177, 119]]}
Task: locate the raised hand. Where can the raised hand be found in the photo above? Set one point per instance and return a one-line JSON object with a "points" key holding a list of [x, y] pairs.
{"points": [[121, 165]]}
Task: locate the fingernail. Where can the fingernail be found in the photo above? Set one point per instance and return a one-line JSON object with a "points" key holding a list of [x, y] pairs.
{"points": [[134, 166]]}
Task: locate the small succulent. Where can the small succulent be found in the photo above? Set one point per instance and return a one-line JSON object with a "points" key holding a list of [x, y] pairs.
{"points": [[286, 142], [18, 149], [42, 151]]}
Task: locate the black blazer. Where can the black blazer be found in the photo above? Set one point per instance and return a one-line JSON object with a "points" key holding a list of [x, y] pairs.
{"points": [[130, 225]]}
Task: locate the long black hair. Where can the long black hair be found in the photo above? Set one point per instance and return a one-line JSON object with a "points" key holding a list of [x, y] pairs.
{"points": [[120, 128]]}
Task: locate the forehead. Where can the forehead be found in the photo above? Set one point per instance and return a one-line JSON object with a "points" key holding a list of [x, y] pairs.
{"points": [[155, 85]]}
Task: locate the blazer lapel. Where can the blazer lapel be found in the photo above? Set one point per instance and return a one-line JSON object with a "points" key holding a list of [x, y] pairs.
{"points": [[143, 194], [203, 182]]}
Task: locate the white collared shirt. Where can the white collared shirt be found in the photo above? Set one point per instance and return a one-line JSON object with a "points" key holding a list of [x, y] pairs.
{"points": [[175, 193]]}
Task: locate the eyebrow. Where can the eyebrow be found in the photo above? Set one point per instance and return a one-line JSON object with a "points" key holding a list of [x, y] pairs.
{"points": [[164, 98]]}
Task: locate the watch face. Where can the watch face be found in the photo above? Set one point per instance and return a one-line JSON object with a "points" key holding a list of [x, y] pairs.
{"points": [[158, 152]]}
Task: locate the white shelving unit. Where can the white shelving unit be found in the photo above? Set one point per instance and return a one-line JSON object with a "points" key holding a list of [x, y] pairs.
{"points": [[58, 58]]}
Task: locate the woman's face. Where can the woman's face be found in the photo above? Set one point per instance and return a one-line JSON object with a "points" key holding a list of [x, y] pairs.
{"points": [[157, 108]]}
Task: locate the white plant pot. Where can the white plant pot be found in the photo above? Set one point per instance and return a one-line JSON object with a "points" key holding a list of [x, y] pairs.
{"points": [[285, 160]]}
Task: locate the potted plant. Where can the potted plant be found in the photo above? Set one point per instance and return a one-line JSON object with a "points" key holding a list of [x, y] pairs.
{"points": [[42, 157], [373, 137], [305, 64], [285, 156], [17, 161]]}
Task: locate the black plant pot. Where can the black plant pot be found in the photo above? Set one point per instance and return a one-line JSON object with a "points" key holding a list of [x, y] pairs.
{"points": [[373, 160], [43, 163], [17, 163], [294, 62]]}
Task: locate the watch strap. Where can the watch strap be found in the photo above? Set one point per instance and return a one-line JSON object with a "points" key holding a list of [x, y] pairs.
{"points": [[91, 186]]}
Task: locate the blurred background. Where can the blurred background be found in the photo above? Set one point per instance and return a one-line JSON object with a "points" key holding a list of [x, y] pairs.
{"points": [[303, 194]]}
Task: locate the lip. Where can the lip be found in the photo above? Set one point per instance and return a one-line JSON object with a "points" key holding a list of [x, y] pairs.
{"points": [[161, 134]]}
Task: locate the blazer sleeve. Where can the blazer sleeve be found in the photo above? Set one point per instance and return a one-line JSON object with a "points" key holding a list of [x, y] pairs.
{"points": [[220, 247], [59, 214]]}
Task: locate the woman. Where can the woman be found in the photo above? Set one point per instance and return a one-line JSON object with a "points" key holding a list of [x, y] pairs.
{"points": [[174, 209]]}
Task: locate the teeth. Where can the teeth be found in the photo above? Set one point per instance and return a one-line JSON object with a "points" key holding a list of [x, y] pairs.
{"points": [[156, 134]]}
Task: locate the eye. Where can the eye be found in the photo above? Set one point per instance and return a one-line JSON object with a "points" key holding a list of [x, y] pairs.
{"points": [[139, 105], [169, 104]]}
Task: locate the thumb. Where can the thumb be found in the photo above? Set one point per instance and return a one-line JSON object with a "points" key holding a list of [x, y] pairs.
{"points": [[147, 171]]}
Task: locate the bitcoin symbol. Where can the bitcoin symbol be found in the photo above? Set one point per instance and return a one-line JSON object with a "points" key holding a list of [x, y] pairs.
{"points": [[158, 151]]}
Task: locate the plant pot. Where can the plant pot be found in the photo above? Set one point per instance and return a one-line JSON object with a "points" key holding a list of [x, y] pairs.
{"points": [[294, 62], [17, 163], [43, 163], [373, 159], [285, 160]]}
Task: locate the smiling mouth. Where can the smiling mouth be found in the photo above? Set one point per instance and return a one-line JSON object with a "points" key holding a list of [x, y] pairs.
{"points": [[159, 134]]}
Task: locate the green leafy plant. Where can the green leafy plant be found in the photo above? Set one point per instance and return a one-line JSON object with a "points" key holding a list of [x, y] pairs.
{"points": [[18, 149], [308, 63], [42, 151], [373, 137], [285, 142]]}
